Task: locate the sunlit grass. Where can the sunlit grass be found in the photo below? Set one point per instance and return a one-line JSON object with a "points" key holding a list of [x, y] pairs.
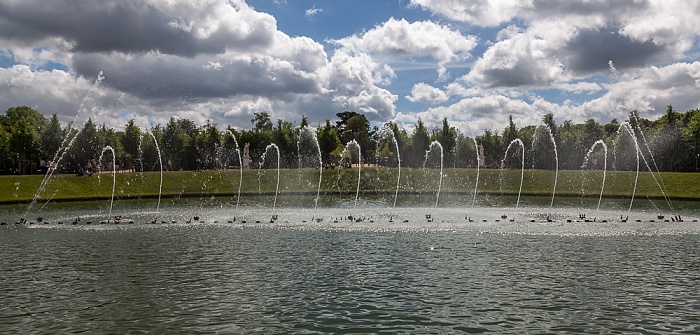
{"points": [[22, 189]]}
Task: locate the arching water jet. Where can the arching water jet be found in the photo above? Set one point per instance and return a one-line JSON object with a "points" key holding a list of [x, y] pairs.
{"points": [[605, 167], [478, 164], [427, 154], [160, 163], [556, 157], [354, 144], [277, 188], [384, 132], [71, 135], [240, 169], [522, 165], [114, 174], [312, 135]]}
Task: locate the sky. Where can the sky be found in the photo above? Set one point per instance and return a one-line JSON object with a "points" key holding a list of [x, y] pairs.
{"points": [[474, 62]]}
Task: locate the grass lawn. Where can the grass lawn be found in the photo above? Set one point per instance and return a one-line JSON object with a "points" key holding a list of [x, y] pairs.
{"points": [[22, 189]]}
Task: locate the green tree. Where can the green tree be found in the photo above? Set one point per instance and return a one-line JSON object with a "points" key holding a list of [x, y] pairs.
{"points": [[52, 137], [420, 143], [5, 158], [285, 137], [447, 136], [173, 145], [25, 126], [668, 143], [131, 141], [328, 140], [85, 149], [493, 147], [262, 122], [692, 134]]}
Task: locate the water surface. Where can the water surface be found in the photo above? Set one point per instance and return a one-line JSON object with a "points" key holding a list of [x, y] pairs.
{"points": [[350, 278]]}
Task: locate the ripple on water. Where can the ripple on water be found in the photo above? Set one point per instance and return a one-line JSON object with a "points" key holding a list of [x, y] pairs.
{"points": [[445, 278]]}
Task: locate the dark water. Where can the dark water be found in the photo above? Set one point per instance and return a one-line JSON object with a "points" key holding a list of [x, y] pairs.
{"points": [[225, 279]]}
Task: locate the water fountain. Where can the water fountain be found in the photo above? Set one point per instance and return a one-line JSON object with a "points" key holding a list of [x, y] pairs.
{"points": [[114, 174], [436, 144], [264, 156], [605, 167], [307, 140], [522, 166], [67, 141], [385, 132], [308, 133], [556, 157], [354, 145], [160, 164], [240, 169], [478, 167]]}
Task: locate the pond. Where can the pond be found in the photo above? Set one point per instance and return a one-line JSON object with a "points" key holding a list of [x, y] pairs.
{"points": [[338, 270]]}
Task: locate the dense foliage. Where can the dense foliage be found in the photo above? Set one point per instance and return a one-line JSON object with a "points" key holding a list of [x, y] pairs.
{"points": [[29, 141]]}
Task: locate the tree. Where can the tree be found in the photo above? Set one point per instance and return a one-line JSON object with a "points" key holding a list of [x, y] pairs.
{"points": [[25, 126], [692, 135], [344, 117], [493, 148], [420, 144], [210, 146], [173, 145], [86, 147], [668, 144], [131, 141], [510, 133], [284, 136], [447, 136], [355, 126], [4, 148], [52, 137], [328, 140], [262, 122]]}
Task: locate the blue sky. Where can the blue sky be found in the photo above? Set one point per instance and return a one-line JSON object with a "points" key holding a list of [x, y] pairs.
{"points": [[472, 62]]}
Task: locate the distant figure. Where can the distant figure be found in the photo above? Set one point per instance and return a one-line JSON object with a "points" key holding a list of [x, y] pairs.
{"points": [[246, 156]]}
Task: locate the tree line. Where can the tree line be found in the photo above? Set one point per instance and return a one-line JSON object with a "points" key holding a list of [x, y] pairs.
{"points": [[29, 143]]}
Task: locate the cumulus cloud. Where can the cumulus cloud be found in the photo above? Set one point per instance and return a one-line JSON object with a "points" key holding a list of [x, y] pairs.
{"points": [[649, 91], [212, 59], [47, 91], [184, 28], [422, 92], [479, 12], [474, 114], [424, 39], [221, 60], [520, 60], [549, 42]]}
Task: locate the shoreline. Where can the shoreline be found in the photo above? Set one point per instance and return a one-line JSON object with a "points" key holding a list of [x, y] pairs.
{"points": [[335, 193]]}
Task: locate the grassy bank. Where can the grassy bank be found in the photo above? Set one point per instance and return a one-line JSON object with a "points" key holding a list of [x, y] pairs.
{"points": [[21, 189]]}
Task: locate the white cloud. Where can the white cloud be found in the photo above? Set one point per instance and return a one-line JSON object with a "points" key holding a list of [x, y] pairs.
{"points": [[47, 91], [473, 115], [313, 11], [422, 92], [649, 91], [550, 42], [521, 60], [478, 12], [397, 39], [222, 60]]}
